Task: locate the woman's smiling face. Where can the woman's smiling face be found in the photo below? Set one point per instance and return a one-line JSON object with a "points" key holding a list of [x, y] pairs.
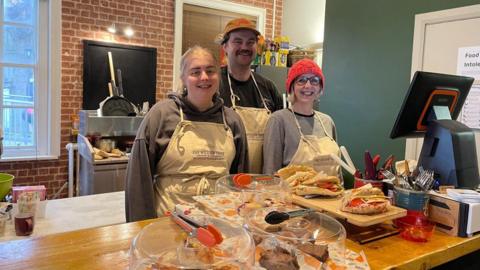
{"points": [[201, 76], [307, 88]]}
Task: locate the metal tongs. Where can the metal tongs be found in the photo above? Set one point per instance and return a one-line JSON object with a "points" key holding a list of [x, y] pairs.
{"points": [[208, 234], [6, 211]]}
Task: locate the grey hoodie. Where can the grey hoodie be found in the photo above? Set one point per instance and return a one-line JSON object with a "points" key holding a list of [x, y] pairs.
{"points": [[152, 140]]}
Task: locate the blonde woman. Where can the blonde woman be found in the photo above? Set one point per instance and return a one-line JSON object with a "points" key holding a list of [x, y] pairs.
{"points": [[185, 143], [301, 135]]}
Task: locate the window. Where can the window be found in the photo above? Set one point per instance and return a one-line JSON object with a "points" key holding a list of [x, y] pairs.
{"points": [[27, 75]]}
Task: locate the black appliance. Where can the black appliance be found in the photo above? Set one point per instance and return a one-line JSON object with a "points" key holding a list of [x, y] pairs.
{"points": [[432, 101]]}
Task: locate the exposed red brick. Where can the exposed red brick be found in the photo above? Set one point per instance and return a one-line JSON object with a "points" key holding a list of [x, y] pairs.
{"points": [[153, 21]]}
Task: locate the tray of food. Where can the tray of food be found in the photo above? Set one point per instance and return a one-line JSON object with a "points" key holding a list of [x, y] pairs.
{"points": [[364, 206]]}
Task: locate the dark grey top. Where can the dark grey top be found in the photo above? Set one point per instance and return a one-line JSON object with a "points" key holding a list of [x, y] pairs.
{"points": [[152, 140], [248, 93]]}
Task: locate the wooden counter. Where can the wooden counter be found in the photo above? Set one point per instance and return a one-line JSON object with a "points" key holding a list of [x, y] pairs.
{"points": [[107, 248]]}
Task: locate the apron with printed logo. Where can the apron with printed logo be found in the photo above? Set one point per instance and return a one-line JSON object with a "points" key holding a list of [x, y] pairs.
{"points": [[197, 155], [255, 120], [315, 151]]}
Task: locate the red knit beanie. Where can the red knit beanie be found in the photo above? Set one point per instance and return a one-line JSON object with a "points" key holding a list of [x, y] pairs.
{"points": [[304, 66]]}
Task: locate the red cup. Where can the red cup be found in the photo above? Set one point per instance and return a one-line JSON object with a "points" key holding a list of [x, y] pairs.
{"points": [[415, 228], [24, 224], [362, 182]]}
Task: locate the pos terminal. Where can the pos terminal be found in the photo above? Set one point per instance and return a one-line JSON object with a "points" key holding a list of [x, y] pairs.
{"points": [[432, 103]]}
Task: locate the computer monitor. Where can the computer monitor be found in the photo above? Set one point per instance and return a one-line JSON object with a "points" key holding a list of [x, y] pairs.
{"points": [[432, 101]]}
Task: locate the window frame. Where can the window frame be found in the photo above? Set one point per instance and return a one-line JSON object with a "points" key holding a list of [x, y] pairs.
{"points": [[47, 106]]}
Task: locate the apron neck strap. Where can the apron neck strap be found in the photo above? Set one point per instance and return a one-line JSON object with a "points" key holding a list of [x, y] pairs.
{"points": [[181, 113], [323, 126], [224, 118], [182, 118], [297, 124], [317, 118], [234, 97]]}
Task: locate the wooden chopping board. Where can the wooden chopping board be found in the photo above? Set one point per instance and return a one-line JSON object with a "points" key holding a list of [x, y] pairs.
{"points": [[332, 206]]}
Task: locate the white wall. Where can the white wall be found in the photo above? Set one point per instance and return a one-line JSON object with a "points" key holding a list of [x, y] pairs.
{"points": [[304, 22]]}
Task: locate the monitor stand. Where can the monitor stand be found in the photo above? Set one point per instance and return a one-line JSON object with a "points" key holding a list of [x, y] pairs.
{"points": [[449, 150]]}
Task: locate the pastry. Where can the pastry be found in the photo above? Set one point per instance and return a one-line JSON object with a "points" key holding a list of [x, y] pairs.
{"points": [[278, 259]]}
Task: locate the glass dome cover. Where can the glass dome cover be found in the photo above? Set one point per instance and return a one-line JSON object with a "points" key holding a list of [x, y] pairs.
{"points": [[254, 191], [250, 182], [163, 245], [313, 235]]}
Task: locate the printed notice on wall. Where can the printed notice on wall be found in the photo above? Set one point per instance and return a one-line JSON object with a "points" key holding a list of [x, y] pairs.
{"points": [[468, 64]]}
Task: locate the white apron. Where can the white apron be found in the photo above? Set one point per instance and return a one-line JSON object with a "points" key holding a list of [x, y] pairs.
{"points": [[315, 151], [255, 120], [198, 154]]}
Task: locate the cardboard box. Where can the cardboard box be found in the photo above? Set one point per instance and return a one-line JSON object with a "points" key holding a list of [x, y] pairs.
{"points": [[454, 217], [41, 190]]}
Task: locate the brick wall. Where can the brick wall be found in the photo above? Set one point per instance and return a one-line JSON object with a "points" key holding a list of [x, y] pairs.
{"points": [[153, 22]]}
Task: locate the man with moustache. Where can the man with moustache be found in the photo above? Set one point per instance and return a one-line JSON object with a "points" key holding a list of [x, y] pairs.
{"points": [[252, 96]]}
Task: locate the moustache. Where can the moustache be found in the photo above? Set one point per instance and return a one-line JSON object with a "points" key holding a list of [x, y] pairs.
{"points": [[249, 52]]}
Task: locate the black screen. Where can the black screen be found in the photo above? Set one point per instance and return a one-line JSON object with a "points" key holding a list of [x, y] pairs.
{"points": [[422, 85], [138, 66]]}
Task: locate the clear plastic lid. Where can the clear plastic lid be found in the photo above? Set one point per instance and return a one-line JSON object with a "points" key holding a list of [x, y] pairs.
{"points": [[243, 181], [255, 191], [297, 239], [162, 245]]}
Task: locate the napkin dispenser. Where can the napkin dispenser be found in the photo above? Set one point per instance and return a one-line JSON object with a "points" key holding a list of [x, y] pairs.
{"points": [[454, 217]]}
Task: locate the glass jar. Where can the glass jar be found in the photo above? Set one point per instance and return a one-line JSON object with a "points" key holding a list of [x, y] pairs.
{"points": [[166, 246]]}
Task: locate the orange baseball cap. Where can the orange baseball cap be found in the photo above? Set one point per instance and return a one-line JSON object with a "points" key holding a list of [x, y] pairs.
{"points": [[236, 24]]}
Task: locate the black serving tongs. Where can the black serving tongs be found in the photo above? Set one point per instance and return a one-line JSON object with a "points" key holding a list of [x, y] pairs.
{"points": [[277, 217]]}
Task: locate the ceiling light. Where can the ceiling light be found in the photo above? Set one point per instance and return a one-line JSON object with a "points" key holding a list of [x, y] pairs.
{"points": [[128, 31], [112, 29]]}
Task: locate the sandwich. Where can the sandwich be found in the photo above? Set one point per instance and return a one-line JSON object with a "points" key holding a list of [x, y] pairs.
{"points": [[365, 200], [290, 170], [320, 184]]}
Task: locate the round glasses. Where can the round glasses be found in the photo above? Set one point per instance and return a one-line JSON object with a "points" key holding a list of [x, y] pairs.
{"points": [[315, 81]]}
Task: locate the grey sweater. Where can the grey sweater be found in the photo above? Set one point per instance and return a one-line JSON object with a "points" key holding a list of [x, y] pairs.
{"points": [[152, 140], [282, 137]]}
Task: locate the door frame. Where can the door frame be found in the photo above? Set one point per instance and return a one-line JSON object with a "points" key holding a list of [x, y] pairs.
{"points": [[259, 13], [414, 146]]}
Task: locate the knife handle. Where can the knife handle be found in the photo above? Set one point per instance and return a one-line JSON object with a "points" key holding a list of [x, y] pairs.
{"points": [[369, 167]]}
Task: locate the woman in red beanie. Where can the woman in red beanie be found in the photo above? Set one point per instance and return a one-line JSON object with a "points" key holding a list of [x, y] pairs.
{"points": [[301, 135]]}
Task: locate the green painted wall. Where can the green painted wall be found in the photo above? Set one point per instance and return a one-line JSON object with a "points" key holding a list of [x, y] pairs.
{"points": [[367, 61]]}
